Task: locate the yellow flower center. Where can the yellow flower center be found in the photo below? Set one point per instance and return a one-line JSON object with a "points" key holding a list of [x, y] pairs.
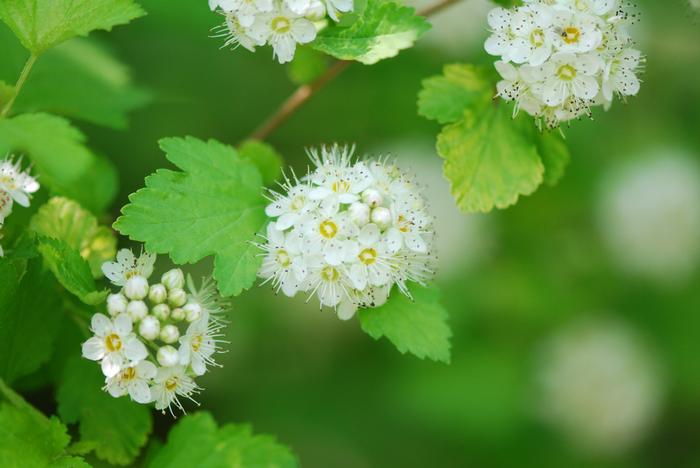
{"points": [[571, 35], [9, 182], [131, 273], [128, 374], [113, 342], [330, 274], [280, 24], [171, 383], [283, 258], [566, 72], [342, 186], [328, 229], [368, 256], [298, 202], [537, 37], [404, 224], [197, 343]]}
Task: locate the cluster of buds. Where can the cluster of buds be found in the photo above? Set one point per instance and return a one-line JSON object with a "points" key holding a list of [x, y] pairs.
{"points": [[158, 337]]}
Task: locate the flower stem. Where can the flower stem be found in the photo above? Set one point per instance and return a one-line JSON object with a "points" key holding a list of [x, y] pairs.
{"points": [[19, 85], [305, 92]]}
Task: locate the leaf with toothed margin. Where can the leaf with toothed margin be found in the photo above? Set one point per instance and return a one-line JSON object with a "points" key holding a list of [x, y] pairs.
{"points": [[214, 207]]}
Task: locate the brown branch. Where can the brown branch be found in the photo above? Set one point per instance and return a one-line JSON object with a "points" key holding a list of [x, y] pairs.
{"points": [[305, 92]]}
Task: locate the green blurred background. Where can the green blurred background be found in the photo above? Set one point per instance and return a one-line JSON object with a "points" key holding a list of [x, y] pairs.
{"points": [[576, 313]]}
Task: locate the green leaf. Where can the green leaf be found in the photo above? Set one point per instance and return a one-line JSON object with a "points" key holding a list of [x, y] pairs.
{"points": [[555, 156], [30, 315], [489, 160], [382, 30], [196, 441], [308, 64], [66, 220], [215, 207], [417, 326], [266, 159], [462, 86], [117, 428], [30, 439], [65, 165], [6, 93], [81, 80], [71, 270], [42, 24]]}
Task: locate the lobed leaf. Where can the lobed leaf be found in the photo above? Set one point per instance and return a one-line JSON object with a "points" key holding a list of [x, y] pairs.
{"points": [[266, 159], [215, 207], [418, 326], [380, 31], [115, 428], [197, 441], [42, 24]]}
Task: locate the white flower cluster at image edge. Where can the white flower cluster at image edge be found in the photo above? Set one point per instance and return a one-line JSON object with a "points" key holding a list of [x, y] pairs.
{"points": [[158, 337], [16, 186], [280, 23], [559, 58], [347, 233]]}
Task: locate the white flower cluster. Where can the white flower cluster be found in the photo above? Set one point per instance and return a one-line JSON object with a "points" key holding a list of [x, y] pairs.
{"points": [[136, 346], [348, 232], [561, 57], [280, 23], [16, 185]]}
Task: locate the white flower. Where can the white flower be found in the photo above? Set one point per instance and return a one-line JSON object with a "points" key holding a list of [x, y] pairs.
{"points": [[170, 383], [169, 334], [198, 345], [291, 205], [335, 6], [283, 30], [17, 183], [173, 279], [369, 232], [167, 356], [247, 10], [133, 381], [226, 5], [157, 293], [578, 56], [149, 328], [5, 206], [114, 344], [116, 304], [136, 288], [127, 266], [235, 34]]}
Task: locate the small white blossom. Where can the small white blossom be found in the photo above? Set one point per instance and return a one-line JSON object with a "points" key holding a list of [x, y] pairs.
{"points": [[169, 384], [283, 30], [114, 344], [16, 185], [133, 381], [559, 58], [369, 231], [130, 361], [127, 266]]}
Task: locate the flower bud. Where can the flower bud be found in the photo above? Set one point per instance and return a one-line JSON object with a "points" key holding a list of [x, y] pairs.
{"points": [[157, 293], [116, 304], [173, 279], [169, 334], [359, 213], [193, 311], [137, 310], [161, 311], [136, 288], [178, 314], [167, 356], [177, 297], [372, 197], [381, 217], [316, 11], [149, 327]]}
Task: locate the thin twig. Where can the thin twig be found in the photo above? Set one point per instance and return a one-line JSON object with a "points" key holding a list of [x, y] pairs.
{"points": [[305, 92], [20, 83]]}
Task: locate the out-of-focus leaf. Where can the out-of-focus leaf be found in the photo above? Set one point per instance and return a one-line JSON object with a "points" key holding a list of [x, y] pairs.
{"points": [[66, 220], [197, 441], [116, 428], [30, 439], [308, 64], [268, 161]]}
